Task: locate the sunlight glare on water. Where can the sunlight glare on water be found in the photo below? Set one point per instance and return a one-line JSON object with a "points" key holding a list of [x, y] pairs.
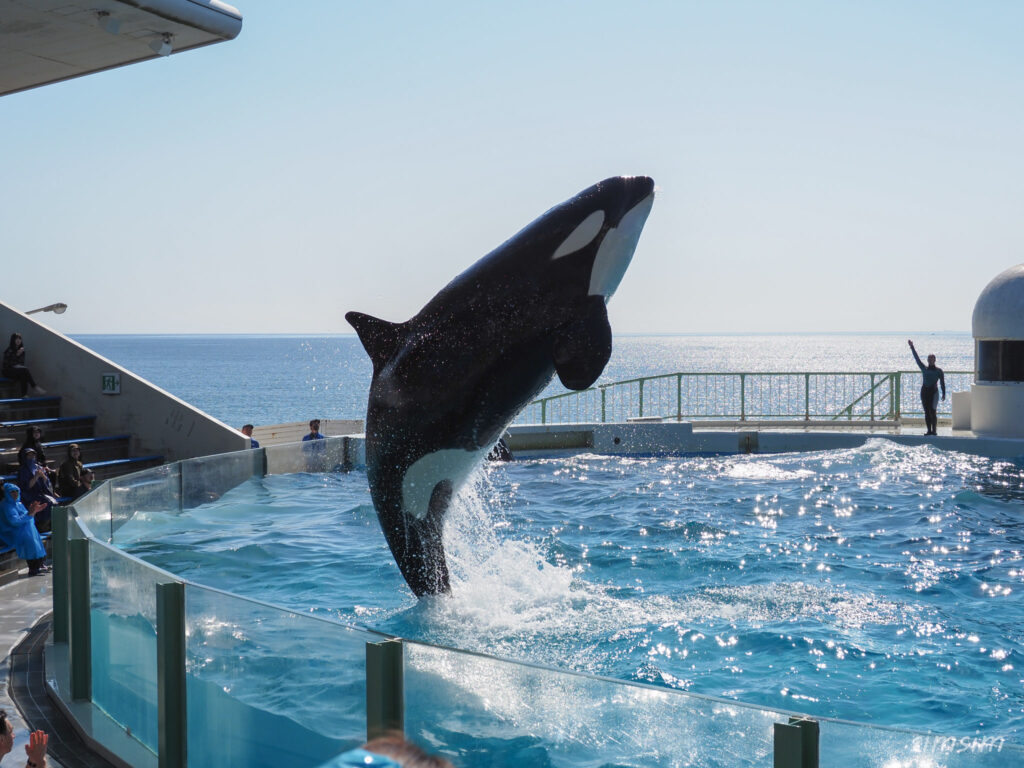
{"points": [[876, 584]]}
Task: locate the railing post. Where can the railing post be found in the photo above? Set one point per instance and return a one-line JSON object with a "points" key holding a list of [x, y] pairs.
{"points": [[385, 688], [641, 398], [544, 411], [872, 397], [80, 630], [807, 397], [170, 681], [604, 416], [898, 380], [679, 397], [59, 544], [796, 744], [743, 397]]}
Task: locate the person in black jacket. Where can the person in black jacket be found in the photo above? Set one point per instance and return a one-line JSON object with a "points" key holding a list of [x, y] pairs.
{"points": [[14, 366], [931, 377]]}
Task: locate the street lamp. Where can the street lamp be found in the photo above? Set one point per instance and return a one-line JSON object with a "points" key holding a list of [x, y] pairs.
{"points": [[58, 309]]}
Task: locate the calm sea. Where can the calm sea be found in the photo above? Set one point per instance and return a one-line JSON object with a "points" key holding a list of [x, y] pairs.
{"points": [[274, 379]]}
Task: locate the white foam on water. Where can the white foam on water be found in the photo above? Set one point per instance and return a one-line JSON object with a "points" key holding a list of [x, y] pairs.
{"points": [[499, 584], [507, 599], [764, 470]]}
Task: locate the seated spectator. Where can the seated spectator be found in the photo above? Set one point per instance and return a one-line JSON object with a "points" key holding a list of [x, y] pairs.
{"points": [[69, 478], [33, 440], [14, 366], [35, 486], [391, 751], [247, 431], [87, 479], [18, 530]]}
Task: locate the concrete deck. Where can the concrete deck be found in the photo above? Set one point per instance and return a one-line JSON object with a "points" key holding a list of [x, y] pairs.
{"points": [[24, 600], [668, 437]]}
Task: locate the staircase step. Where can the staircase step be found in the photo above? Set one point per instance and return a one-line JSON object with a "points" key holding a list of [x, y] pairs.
{"points": [[93, 449], [59, 428], [20, 408], [10, 563], [9, 388], [105, 470], [101, 448]]}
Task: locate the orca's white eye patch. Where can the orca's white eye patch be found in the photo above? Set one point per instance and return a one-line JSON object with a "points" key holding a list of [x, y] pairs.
{"points": [[582, 236]]}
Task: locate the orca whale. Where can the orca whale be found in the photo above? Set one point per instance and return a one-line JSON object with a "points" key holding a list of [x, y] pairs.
{"points": [[447, 383]]}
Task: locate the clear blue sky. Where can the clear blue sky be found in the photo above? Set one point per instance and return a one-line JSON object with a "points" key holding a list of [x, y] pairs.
{"points": [[821, 166]]}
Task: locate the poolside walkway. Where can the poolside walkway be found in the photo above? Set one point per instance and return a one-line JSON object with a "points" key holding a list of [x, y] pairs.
{"points": [[25, 600]]}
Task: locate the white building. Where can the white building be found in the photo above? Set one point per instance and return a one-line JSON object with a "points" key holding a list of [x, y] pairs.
{"points": [[997, 396]]}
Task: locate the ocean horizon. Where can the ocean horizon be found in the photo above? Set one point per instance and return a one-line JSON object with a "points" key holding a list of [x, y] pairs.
{"points": [[277, 378]]}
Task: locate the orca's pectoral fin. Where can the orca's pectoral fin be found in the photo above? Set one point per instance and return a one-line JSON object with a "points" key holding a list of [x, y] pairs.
{"points": [[581, 349], [379, 337], [423, 563]]}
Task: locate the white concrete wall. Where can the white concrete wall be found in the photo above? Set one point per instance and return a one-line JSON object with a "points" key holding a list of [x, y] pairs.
{"points": [[997, 409], [159, 422], [294, 431], [961, 410], [639, 438], [329, 454]]}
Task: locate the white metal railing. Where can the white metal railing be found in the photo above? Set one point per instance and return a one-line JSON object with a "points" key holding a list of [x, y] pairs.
{"points": [[804, 396]]}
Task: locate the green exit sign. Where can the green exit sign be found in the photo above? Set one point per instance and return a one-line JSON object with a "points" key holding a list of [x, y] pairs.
{"points": [[111, 384]]}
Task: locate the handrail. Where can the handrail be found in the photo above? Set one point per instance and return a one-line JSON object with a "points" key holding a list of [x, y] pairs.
{"points": [[848, 410], [875, 396]]}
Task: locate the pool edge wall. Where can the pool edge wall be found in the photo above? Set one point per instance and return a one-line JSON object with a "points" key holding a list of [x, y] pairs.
{"points": [[163, 487]]}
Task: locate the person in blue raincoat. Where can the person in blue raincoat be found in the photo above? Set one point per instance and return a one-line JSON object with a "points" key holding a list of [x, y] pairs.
{"points": [[18, 529]]}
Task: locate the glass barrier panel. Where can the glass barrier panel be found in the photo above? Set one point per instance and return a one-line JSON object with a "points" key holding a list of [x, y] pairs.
{"points": [[208, 478], [863, 746], [151, 490], [482, 711], [327, 455], [123, 615], [93, 511], [269, 687]]}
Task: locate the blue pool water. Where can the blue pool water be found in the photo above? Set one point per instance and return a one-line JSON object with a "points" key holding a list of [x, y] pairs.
{"points": [[879, 584]]}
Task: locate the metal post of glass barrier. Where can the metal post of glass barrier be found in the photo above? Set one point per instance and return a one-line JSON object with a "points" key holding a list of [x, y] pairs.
{"points": [[385, 688], [796, 743], [80, 656], [59, 551], [170, 674]]}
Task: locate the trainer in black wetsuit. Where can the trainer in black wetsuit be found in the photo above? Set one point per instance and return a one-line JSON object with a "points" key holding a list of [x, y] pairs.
{"points": [[932, 377]]}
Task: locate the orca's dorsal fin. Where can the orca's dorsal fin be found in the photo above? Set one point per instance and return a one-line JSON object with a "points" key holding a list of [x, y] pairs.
{"points": [[380, 338]]}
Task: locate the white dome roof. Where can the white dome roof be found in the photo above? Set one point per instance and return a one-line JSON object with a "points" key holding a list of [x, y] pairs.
{"points": [[999, 311]]}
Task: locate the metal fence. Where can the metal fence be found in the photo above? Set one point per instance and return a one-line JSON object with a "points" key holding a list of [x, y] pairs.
{"points": [[832, 396]]}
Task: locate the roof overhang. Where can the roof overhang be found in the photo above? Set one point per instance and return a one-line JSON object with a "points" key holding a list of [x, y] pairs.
{"points": [[46, 41]]}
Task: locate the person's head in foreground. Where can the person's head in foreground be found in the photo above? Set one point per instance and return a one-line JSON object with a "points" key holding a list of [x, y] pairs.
{"points": [[35, 749], [391, 751]]}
